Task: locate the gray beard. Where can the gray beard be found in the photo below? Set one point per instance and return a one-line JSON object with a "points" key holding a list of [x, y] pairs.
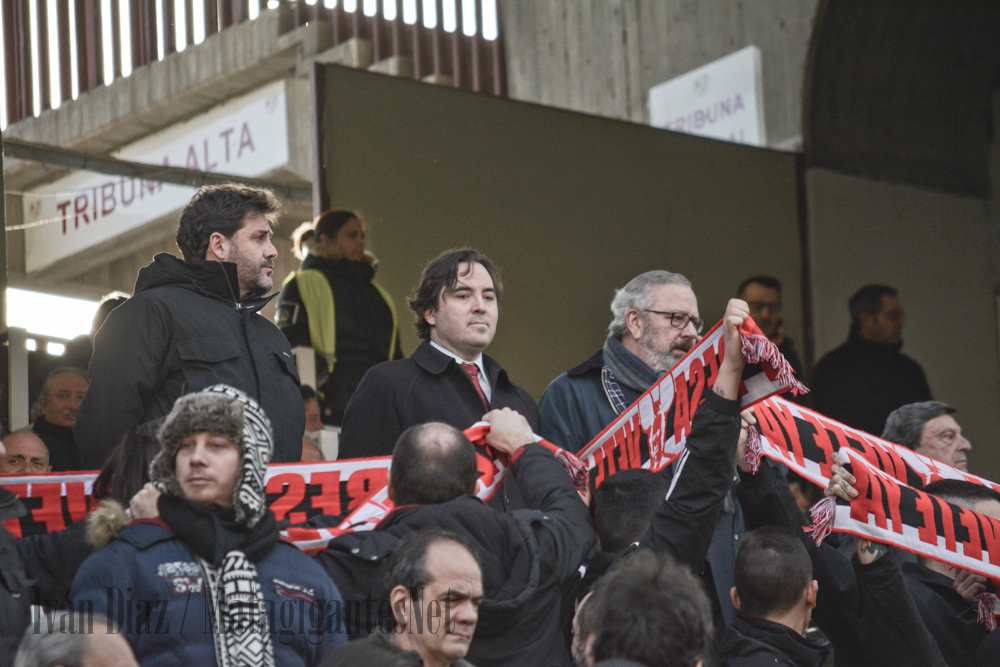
{"points": [[660, 363]]}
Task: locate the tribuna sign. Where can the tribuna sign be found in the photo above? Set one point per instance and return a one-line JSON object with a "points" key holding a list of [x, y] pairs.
{"points": [[247, 136]]}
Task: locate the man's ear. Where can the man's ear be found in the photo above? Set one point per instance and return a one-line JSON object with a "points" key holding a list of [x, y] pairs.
{"points": [[389, 490], [429, 316], [218, 248], [811, 591], [634, 323], [735, 597], [399, 600]]}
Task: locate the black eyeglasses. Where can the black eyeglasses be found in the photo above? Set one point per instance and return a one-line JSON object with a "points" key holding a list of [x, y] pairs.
{"points": [[680, 320]]}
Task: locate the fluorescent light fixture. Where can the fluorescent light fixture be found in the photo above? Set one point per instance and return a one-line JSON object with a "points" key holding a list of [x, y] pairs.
{"points": [[55, 349], [49, 314]]}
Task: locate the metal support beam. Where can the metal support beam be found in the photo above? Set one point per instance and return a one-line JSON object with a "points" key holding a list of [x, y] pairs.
{"points": [[61, 157]]}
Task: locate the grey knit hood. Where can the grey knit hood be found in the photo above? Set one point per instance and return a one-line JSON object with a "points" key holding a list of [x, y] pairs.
{"points": [[220, 410]]}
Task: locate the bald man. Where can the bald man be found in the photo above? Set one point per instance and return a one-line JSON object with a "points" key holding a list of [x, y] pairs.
{"points": [[25, 453]]}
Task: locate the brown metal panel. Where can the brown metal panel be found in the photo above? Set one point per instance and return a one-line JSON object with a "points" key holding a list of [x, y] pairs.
{"points": [[436, 38], [225, 14], [377, 23], [457, 70], [116, 39], [10, 54], [357, 25], [419, 36], [339, 24], [478, 75], [80, 17], [95, 44], [148, 26], [396, 30], [169, 28], [211, 17], [44, 73], [135, 32], [499, 63], [65, 71], [241, 10], [189, 22]]}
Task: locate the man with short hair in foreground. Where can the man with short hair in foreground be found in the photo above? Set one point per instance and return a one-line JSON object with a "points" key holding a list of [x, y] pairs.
{"points": [[928, 428], [435, 588], [649, 612], [774, 597], [25, 453], [528, 556]]}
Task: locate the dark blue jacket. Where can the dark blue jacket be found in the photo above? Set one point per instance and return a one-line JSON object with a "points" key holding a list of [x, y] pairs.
{"points": [[149, 580]]}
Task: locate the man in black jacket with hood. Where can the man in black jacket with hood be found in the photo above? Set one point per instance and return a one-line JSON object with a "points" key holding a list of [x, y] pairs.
{"points": [[194, 323]]}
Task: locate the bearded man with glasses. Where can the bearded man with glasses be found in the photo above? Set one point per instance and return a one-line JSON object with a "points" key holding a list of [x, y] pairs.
{"points": [[654, 323]]}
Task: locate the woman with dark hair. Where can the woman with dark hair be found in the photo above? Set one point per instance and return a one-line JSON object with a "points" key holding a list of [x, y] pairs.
{"points": [[333, 305]]}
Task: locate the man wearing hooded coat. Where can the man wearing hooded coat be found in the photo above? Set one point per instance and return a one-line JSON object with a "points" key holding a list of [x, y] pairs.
{"points": [[193, 323], [170, 580]]}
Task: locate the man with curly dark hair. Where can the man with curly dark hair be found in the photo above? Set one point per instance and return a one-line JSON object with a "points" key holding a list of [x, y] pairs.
{"points": [[193, 323]]}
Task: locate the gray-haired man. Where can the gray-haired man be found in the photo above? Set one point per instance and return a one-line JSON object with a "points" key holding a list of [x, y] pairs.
{"points": [[655, 322], [928, 428]]}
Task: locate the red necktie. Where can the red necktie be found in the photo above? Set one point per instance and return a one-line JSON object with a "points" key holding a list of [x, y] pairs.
{"points": [[473, 372]]}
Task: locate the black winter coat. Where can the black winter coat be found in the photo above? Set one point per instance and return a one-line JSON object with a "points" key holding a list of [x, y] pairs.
{"points": [[183, 330], [756, 642], [428, 386], [860, 383], [529, 557]]}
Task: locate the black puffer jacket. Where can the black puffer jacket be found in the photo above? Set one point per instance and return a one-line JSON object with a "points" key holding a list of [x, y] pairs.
{"points": [[528, 557], [183, 330]]}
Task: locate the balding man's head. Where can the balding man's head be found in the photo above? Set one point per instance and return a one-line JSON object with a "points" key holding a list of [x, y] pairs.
{"points": [[432, 463], [25, 453]]}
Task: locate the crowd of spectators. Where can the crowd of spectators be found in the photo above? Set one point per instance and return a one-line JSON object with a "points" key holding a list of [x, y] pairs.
{"points": [[186, 395]]}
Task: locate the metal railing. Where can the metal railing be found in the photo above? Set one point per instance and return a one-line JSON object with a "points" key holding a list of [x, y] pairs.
{"points": [[86, 32]]}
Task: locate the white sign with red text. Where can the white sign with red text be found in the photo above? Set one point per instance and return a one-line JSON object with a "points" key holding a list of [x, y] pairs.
{"points": [[247, 136], [721, 100]]}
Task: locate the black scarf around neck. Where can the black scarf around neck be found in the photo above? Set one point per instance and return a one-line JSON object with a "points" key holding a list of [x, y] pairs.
{"points": [[212, 532]]}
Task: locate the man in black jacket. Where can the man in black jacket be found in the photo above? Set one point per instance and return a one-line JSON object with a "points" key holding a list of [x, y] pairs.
{"points": [[866, 378], [448, 378], [528, 556], [60, 400], [194, 323], [849, 588], [774, 597]]}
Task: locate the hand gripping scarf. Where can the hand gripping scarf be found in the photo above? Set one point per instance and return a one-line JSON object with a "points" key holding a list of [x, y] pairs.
{"points": [[242, 637]]}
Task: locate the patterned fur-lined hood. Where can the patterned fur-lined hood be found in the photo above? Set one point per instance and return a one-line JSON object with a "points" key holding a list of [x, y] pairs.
{"points": [[228, 412]]}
